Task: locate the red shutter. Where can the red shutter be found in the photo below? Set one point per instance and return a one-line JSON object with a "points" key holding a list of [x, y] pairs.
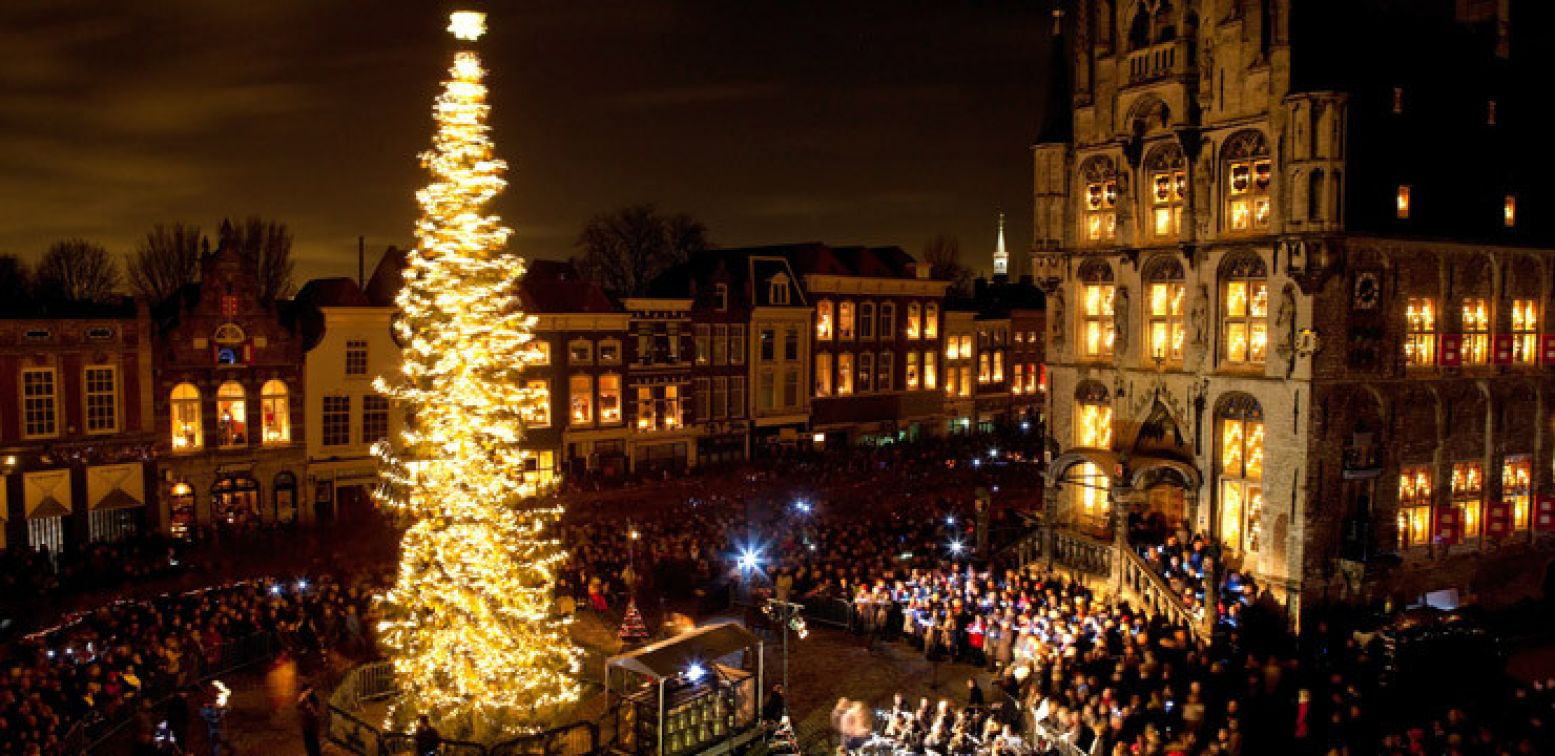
{"points": [[1503, 351], [1449, 528], [1549, 348], [1451, 352], [1498, 519], [1544, 513]]}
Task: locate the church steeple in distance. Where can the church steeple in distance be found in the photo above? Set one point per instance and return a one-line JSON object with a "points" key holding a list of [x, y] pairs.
{"points": [[1001, 256]]}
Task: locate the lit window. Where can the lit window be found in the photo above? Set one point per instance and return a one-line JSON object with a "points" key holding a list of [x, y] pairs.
{"points": [[1248, 176], [1420, 334], [1101, 199], [966, 346], [1017, 373], [1509, 210], [1168, 189], [356, 357], [580, 393], [646, 416], [844, 374], [375, 418], [1525, 332], [539, 352], [1414, 506], [966, 380], [1517, 488], [931, 321], [950, 380], [1241, 477], [823, 374], [929, 380], [823, 320], [335, 424], [982, 367], [912, 320], [998, 366], [672, 417], [845, 323], [1245, 324], [537, 414], [866, 321], [912, 371], [232, 415], [610, 352], [1476, 331], [40, 396], [1164, 312], [1091, 486], [610, 399], [866, 372], [185, 411], [1097, 322], [1095, 426], [1468, 495], [1403, 202], [102, 399], [275, 413]]}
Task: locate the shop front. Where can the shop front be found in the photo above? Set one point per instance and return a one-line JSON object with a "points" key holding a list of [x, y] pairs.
{"points": [[723, 443], [182, 519], [235, 503], [47, 508], [116, 501]]}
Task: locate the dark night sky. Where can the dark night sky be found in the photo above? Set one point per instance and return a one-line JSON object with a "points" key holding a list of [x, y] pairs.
{"points": [[772, 121]]}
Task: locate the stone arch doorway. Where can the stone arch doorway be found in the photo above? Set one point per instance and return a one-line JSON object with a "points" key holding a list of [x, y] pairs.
{"points": [[1167, 494]]}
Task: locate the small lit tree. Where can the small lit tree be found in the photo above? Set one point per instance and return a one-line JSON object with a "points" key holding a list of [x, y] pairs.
{"points": [[469, 623]]}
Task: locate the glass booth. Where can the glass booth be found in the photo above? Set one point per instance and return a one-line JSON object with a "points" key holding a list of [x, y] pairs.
{"points": [[696, 693]]}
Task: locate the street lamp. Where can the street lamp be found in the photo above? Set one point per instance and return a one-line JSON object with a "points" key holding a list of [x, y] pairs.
{"points": [[786, 613]]}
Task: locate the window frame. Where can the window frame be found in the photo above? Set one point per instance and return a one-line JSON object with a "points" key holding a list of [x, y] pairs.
{"points": [[228, 440], [268, 402], [586, 396], [847, 320], [844, 383], [1241, 475], [1251, 274], [38, 403], [577, 346], [1468, 496], [375, 408], [825, 320], [1475, 329], [602, 392], [866, 321], [887, 328], [1165, 312], [333, 420], [1247, 159], [111, 395], [823, 374], [1420, 325], [1415, 486], [177, 403], [536, 415], [914, 321], [1525, 332], [356, 358]]}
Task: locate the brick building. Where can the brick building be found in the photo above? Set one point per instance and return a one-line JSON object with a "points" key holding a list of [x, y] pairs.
{"points": [[229, 403], [659, 385], [1271, 319], [76, 438]]}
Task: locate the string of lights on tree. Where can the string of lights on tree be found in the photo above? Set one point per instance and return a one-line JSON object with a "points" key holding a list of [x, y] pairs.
{"points": [[469, 624]]}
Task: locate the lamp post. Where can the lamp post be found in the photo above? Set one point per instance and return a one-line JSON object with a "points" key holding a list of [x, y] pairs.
{"points": [[785, 613]]}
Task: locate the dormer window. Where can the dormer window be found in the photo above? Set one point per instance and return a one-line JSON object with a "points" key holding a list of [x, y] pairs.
{"points": [[720, 296], [777, 290]]}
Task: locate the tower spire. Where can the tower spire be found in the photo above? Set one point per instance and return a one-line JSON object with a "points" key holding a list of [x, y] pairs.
{"points": [[1001, 257]]}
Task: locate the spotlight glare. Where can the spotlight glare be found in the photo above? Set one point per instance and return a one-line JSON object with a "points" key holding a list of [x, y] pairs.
{"points": [[695, 672]]}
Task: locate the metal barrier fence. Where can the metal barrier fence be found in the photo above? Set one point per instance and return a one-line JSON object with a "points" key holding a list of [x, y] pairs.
{"points": [[375, 680], [93, 732], [834, 612]]}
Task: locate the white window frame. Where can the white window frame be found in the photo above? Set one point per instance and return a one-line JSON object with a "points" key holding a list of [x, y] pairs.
{"points": [[111, 395]]}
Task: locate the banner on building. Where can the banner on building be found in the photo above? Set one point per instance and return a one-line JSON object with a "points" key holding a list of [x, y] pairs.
{"points": [[1449, 525], [115, 486], [47, 493], [1498, 519], [1544, 513], [1451, 352], [1503, 350]]}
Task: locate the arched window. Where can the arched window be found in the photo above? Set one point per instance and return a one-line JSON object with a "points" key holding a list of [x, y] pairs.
{"points": [[823, 320], [931, 321], [1248, 173], [231, 415], [1101, 198], [888, 321], [913, 331], [845, 324], [1240, 472], [866, 321], [1093, 430], [1245, 309], [1164, 295], [1096, 292], [1168, 189], [187, 432], [275, 413]]}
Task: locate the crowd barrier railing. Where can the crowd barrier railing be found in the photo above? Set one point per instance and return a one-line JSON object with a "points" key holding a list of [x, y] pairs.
{"points": [[1156, 595]]}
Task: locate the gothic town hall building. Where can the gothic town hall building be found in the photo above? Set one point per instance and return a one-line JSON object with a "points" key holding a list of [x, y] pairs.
{"points": [[1300, 277]]}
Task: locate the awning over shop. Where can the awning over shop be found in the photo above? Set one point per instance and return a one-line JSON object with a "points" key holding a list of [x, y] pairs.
{"points": [[46, 494], [115, 486], [674, 656]]}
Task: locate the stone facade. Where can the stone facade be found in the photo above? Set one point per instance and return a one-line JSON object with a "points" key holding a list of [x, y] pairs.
{"points": [[1232, 321]]}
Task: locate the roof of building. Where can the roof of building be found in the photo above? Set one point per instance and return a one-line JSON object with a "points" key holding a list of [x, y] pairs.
{"points": [[554, 286], [388, 276]]}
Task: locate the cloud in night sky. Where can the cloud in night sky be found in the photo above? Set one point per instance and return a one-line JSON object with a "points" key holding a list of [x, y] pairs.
{"points": [[772, 121]]}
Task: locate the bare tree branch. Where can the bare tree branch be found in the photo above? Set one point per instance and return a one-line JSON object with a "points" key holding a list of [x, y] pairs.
{"points": [[625, 250], [164, 261], [76, 270], [943, 254], [266, 246]]}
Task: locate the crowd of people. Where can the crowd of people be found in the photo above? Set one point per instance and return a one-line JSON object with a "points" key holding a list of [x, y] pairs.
{"points": [[143, 660], [27, 573]]}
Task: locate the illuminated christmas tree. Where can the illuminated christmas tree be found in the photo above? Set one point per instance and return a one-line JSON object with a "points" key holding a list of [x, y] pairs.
{"points": [[469, 622]]}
